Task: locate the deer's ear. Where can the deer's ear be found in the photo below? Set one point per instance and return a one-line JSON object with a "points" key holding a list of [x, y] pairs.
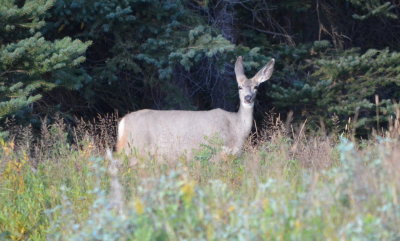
{"points": [[265, 73], [239, 70]]}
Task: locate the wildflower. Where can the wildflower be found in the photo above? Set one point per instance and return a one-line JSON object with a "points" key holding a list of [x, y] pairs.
{"points": [[25, 157], [22, 230], [8, 148], [139, 206], [297, 224], [18, 166], [210, 232], [218, 215], [231, 208], [187, 190], [267, 207], [265, 204], [88, 149]]}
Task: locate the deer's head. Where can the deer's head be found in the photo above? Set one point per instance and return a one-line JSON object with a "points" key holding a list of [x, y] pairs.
{"points": [[248, 87]]}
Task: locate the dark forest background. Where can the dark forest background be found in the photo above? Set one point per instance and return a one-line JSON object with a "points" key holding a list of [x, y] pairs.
{"points": [[337, 61]]}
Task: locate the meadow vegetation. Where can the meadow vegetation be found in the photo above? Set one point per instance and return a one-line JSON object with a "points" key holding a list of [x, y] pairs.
{"points": [[289, 184]]}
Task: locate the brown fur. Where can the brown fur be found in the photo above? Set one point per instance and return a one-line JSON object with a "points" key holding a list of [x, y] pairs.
{"points": [[122, 140], [121, 143]]}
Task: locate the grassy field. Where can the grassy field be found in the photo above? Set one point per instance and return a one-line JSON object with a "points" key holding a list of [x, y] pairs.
{"points": [[285, 186]]}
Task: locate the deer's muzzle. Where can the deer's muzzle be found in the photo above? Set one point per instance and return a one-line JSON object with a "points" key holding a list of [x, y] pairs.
{"points": [[249, 98]]}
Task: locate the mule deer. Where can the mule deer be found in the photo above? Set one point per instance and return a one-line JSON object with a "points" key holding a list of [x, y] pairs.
{"points": [[172, 133]]}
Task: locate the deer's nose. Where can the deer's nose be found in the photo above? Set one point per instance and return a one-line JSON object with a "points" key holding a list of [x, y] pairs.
{"points": [[248, 98]]}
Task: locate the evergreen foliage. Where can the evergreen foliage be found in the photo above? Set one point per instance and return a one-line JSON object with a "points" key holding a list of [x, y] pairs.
{"points": [[146, 53], [30, 64], [357, 77], [334, 58], [349, 84], [373, 8]]}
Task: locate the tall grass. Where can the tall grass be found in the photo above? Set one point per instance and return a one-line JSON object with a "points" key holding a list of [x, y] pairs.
{"points": [[285, 186]]}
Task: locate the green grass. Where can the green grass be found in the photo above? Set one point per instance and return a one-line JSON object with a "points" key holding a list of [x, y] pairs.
{"points": [[308, 188]]}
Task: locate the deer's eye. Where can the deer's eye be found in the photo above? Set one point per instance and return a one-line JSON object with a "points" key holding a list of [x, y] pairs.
{"points": [[240, 87]]}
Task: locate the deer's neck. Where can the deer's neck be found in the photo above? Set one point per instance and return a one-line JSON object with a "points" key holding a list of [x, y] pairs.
{"points": [[245, 119]]}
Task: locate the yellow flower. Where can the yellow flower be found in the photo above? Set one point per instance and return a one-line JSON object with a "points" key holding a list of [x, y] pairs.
{"points": [[265, 204], [139, 206], [8, 148], [216, 216], [22, 230], [210, 232], [18, 165], [187, 190], [88, 149], [11, 144], [297, 224], [25, 157], [231, 208]]}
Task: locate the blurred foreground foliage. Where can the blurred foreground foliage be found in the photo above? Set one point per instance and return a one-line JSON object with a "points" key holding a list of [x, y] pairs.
{"points": [[306, 187]]}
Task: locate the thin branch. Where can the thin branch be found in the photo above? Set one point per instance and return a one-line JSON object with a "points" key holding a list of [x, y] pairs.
{"points": [[270, 32], [13, 71]]}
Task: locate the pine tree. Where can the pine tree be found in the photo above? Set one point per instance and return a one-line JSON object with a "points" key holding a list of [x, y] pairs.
{"points": [[30, 64], [347, 84], [152, 54]]}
